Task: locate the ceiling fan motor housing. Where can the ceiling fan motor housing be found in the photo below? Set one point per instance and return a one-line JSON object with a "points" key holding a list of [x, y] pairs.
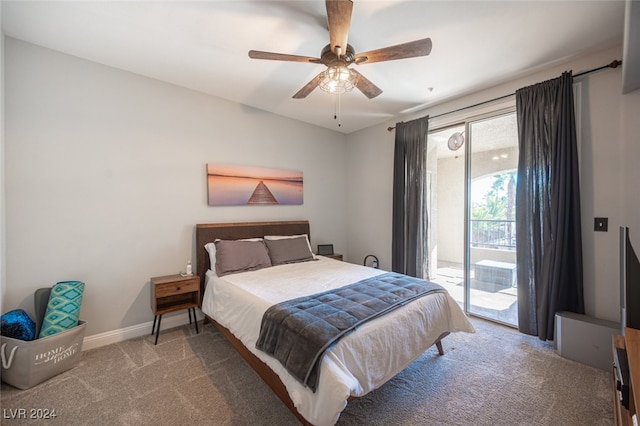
{"points": [[328, 58]]}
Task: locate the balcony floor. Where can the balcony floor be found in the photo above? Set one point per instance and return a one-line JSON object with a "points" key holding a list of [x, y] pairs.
{"points": [[487, 300]]}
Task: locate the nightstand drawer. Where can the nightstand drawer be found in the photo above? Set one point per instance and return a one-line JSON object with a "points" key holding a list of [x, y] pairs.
{"points": [[180, 287]]}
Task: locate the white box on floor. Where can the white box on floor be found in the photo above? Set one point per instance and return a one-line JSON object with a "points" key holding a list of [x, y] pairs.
{"points": [[585, 339]]}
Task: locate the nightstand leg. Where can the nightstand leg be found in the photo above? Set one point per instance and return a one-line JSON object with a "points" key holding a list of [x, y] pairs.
{"points": [[158, 331], [195, 319], [153, 329], [189, 315]]}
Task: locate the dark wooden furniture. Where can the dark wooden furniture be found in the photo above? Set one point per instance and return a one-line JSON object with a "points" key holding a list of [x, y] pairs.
{"points": [[171, 293], [206, 233], [335, 256], [631, 343]]}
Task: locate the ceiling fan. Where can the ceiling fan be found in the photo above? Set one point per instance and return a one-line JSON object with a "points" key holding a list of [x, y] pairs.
{"points": [[338, 55]]}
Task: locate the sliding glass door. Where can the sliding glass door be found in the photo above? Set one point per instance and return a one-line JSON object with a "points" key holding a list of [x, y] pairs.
{"points": [[446, 166], [472, 214], [491, 244]]}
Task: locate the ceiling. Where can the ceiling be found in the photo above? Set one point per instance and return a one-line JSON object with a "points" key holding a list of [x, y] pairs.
{"points": [[203, 46]]}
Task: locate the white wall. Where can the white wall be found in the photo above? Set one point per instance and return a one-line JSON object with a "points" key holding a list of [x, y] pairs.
{"points": [[370, 189], [610, 150], [105, 178]]}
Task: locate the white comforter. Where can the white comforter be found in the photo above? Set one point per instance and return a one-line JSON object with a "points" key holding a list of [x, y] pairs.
{"points": [[361, 361]]}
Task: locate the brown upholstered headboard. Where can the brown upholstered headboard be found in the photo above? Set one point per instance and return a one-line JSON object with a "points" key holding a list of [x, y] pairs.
{"points": [[209, 232]]}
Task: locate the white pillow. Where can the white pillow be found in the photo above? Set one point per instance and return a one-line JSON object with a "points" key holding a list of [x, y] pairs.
{"points": [[211, 249], [282, 237]]}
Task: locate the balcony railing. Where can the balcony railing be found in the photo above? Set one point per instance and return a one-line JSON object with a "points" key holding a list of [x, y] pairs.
{"points": [[496, 234]]}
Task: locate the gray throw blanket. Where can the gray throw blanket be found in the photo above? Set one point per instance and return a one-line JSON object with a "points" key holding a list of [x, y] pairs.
{"points": [[298, 332]]}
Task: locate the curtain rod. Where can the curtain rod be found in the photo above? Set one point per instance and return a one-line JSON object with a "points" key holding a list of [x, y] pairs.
{"points": [[613, 64]]}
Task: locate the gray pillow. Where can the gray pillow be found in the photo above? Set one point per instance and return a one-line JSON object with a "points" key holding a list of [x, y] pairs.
{"points": [[240, 256], [289, 250]]}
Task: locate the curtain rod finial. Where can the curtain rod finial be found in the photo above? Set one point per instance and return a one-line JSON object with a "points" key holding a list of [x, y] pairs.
{"points": [[615, 64], [390, 128]]}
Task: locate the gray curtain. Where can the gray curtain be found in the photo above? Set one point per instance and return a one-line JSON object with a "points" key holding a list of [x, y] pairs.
{"points": [[549, 243], [409, 235]]}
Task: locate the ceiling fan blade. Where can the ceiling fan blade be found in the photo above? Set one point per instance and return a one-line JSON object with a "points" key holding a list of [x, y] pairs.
{"points": [[257, 54], [411, 49], [308, 88], [369, 89], [339, 20]]}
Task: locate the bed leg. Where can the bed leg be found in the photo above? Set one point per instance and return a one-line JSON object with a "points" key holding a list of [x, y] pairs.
{"points": [[205, 321], [439, 342]]}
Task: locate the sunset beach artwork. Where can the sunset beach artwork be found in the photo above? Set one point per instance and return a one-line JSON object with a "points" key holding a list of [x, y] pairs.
{"points": [[232, 185]]}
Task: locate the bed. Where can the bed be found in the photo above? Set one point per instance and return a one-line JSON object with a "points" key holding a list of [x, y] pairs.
{"points": [[358, 363]]}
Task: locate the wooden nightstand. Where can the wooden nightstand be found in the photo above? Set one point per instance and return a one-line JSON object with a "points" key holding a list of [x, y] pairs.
{"points": [[171, 293], [335, 256]]}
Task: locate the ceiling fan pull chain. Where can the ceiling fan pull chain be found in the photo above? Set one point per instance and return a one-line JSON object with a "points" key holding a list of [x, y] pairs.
{"points": [[338, 101]]}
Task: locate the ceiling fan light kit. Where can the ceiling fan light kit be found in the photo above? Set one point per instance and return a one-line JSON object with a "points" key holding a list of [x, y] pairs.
{"points": [[338, 80], [338, 55]]}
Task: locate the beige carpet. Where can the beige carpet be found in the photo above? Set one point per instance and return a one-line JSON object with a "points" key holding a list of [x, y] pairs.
{"points": [[494, 377]]}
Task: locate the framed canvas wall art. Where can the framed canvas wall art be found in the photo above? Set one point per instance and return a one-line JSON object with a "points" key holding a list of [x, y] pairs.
{"points": [[233, 185]]}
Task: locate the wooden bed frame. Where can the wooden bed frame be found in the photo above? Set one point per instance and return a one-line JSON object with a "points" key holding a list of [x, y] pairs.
{"points": [[206, 233]]}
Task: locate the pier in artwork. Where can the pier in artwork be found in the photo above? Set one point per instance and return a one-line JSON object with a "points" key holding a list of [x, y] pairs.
{"points": [[262, 195]]}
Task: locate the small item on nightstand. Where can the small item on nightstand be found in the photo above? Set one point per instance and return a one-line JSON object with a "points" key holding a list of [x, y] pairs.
{"points": [[189, 269], [325, 249]]}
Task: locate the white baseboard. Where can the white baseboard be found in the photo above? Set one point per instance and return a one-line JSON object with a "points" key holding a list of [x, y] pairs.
{"points": [[122, 334]]}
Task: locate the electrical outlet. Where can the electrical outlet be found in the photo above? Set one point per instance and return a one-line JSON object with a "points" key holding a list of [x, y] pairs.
{"points": [[601, 224]]}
